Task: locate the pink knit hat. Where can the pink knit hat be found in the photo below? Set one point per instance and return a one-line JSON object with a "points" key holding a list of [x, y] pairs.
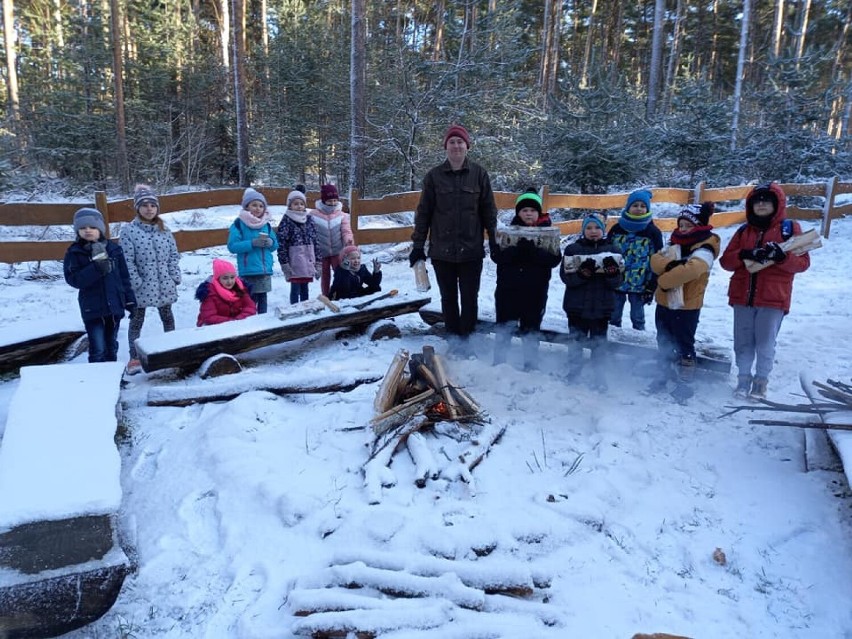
{"points": [[346, 252], [223, 267]]}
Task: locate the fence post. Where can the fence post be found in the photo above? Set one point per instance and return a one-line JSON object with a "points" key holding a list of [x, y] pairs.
{"points": [[544, 192], [102, 206], [828, 207], [354, 196], [698, 193]]}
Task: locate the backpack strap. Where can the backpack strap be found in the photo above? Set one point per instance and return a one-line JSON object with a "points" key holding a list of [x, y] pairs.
{"points": [[786, 229]]}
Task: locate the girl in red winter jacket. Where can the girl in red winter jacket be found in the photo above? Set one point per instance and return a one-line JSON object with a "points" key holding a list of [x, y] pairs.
{"points": [[224, 297], [760, 299]]}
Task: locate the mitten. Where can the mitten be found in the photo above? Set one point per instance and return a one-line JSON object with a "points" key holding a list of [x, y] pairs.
{"points": [[674, 264], [416, 255], [262, 241], [610, 266], [756, 254], [99, 251], [587, 268], [648, 293], [774, 252], [288, 272]]}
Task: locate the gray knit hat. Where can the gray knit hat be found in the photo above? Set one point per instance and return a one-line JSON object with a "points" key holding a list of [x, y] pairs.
{"points": [[296, 195], [89, 217], [144, 193], [250, 196]]}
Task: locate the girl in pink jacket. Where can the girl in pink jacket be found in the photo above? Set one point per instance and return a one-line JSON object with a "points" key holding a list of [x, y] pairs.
{"points": [[334, 232]]}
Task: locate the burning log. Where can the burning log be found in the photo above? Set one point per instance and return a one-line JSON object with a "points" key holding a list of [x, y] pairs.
{"points": [[400, 414]]}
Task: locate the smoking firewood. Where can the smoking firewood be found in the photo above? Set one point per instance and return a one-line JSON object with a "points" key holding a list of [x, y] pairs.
{"points": [[389, 388], [437, 366], [470, 406], [399, 414]]}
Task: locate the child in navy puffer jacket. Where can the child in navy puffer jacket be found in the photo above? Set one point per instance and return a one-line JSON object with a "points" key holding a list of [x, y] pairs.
{"points": [[353, 279]]}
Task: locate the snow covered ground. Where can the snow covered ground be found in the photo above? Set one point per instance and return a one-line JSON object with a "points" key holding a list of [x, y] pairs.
{"points": [[621, 498]]}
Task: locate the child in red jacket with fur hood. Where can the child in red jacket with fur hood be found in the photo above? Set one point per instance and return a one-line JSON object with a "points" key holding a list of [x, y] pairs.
{"points": [[761, 299]]}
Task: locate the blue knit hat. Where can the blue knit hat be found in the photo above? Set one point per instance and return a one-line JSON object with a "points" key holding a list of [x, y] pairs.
{"points": [[633, 223], [89, 217], [594, 218], [250, 196]]}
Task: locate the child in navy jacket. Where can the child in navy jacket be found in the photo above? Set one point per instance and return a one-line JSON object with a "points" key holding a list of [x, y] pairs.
{"points": [[97, 268], [353, 279]]}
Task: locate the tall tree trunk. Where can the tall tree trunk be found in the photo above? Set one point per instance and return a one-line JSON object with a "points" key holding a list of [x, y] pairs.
{"points": [[224, 32], [838, 72], [738, 87], [587, 52], [438, 46], [804, 18], [238, 11], [674, 56], [778, 28], [13, 115], [714, 45], [656, 58], [357, 95], [550, 48], [615, 30], [118, 86]]}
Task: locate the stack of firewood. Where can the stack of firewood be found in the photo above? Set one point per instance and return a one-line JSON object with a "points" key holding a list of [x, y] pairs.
{"points": [[417, 399]]}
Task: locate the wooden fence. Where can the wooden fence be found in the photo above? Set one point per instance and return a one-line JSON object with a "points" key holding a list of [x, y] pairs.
{"points": [[361, 210]]}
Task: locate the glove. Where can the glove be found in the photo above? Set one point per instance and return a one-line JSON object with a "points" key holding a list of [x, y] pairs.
{"points": [[262, 241], [525, 247], [774, 252], [587, 268], [647, 297], [99, 251], [416, 255], [756, 255], [674, 264], [610, 266], [288, 272]]}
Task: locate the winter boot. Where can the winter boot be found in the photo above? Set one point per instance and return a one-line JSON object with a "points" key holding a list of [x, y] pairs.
{"points": [[686, 370], [134, 367], [502, 342], [758, 388], [743, 386]]}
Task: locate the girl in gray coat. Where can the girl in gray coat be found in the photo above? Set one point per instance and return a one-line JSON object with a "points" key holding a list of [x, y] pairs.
{"points": [[152, 260]]}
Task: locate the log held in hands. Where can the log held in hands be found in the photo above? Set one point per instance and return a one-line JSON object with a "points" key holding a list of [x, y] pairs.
{"points": [[187, 348]]}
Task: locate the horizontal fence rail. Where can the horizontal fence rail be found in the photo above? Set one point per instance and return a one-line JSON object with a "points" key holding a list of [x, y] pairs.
{"points": [[369, 231]]}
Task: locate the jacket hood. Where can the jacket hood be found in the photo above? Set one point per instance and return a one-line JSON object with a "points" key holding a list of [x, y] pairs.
{"points": [[780, 205]]}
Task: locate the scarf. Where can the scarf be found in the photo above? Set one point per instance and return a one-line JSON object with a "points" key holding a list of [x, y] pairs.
{"points": [[229, 296], [300, 218], [254, 222], [693, 236]]}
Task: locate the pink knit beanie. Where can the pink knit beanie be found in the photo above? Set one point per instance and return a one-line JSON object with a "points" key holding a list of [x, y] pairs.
{"points": [[222, 267]]}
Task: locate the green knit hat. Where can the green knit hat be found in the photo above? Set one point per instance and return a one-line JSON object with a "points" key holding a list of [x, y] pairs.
{"points": [[530, 198]]}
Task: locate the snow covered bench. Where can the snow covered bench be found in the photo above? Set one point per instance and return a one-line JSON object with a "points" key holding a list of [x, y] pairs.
{"points": [[61, 566], [37, 342]]}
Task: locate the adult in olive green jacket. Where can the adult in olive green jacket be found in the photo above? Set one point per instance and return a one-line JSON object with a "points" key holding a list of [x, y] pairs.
{"points": [[456, 209]]}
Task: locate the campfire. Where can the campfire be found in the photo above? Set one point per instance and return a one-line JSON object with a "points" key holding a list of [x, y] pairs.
{"points": [[418, 409]]}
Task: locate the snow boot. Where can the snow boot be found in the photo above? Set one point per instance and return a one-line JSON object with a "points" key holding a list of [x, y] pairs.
{"points": [[758, 388], [682, 392], [134, 367], [530, 345], [743, 386]]}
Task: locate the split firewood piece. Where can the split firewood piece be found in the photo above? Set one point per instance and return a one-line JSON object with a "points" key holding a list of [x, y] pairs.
{"points": [[389, 388], [489, 436], [797, 245], [308, 601], [331, 305], [398, 434], [426, 467], [437, 366], [368, 624], [383, 296], [401, 413], [401, 584], [218, 366], [378, 475], [467, 402]]}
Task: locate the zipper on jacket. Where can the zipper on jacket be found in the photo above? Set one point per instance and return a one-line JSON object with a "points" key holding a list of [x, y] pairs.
{"points": [[752, 277]]}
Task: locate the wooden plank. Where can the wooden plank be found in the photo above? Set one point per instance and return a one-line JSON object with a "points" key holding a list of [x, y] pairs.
{"points": [[38, 214], [187, 348], [432, 315]]}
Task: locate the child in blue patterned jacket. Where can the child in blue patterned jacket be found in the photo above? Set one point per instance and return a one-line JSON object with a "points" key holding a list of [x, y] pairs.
{"points": [[637, 239]]}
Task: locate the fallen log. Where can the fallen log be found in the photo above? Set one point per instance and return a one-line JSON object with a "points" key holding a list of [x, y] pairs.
{"points": [[704, 360], [205, 393], [36, 350], [187, 348]]}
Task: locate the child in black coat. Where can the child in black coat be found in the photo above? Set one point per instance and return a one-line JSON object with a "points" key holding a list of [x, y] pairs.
{"points": [[592, 270], [97, 268], [523, 277], [353, 279]]}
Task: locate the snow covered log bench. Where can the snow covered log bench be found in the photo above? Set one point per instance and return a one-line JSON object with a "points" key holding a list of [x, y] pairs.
{"points": [[39, 342], [61, 566], [559, 335], [188, 348]]}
